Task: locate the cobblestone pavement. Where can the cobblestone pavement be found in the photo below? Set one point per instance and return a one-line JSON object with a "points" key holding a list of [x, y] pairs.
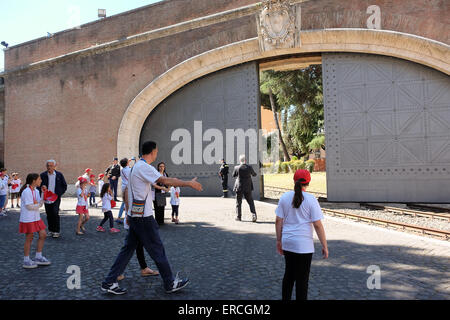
{"points": [[226, 259]]}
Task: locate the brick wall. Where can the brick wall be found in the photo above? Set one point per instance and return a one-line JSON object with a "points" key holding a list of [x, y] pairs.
{"points": [[72, 112], [129, 23]]}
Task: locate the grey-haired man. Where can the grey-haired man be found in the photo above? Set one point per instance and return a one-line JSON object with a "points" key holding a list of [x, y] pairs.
{"points": [[243, 187], [55, 182]]}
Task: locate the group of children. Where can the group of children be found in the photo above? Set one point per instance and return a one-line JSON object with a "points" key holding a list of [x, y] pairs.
{"points": [[30, 220], [9, 185]]}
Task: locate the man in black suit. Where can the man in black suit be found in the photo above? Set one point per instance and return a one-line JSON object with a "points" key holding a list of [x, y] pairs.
{"points": [[243, 186], [113, 174], [55, 182]]}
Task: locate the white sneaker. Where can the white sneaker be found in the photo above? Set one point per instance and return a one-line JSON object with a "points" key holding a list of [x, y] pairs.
{"points": [[49, 234], [42, 261], [55, 235], [30, 264]]}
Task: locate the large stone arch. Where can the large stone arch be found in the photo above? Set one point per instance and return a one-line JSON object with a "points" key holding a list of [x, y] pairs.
{"points": [[389, 43]]}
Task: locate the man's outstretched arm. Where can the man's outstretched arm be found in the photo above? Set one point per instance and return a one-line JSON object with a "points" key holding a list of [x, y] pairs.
{"points": [[194, 184]]}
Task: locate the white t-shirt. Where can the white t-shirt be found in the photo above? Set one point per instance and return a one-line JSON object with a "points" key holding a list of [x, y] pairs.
{"points": [[100, 186], [26, 199], [16, 189], [297, 234], [4, 186], [125, 176], [142, 177], [174, 199], [106, 202], [81, 200]]}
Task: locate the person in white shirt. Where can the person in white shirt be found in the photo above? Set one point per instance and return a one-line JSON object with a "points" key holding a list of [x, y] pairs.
{"points": [[16, 184], [297, 213], [175, 202], [100, 182], [82, 206], [106, 196], [143, 227], [30, 221], [4, 182], [125, 164]]}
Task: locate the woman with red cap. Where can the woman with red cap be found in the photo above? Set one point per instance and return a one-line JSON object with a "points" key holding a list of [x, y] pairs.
{"points": [[82, 206], [297, 213]]}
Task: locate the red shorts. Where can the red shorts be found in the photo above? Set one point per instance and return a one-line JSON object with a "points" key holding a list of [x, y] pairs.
{"points": [[30, 227], [82, 210]]}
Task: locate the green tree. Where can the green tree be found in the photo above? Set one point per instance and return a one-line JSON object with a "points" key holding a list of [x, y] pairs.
{"points": [[268, 102], [299, 93]]}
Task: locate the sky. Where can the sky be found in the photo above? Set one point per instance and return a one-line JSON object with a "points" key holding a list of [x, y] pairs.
{"points": [[24, 20]]}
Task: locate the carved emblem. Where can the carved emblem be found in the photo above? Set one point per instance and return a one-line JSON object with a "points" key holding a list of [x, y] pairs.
{"points": [[277, 25]]}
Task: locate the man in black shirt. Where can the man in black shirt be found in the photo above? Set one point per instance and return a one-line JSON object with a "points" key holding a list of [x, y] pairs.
{"points": [[223, 173], [113, 174]]}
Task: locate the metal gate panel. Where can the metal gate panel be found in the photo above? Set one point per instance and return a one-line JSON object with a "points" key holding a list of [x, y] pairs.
{"points": [[227, 99], [387, 129]]}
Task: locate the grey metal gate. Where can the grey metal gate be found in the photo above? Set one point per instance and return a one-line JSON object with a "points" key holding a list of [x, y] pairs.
{"points": [[227, 99], [387, 130]]}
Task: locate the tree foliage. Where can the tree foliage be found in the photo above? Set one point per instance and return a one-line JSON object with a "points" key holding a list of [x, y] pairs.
{"points": [[299, 93]]}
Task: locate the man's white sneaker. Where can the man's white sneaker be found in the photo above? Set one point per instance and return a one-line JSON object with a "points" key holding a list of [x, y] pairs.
{"points": [[178, 284]]}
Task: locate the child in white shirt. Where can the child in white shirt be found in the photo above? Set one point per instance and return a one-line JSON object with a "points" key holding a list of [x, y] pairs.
{"points": [[82, 206], [175, 202], [107, 195]]}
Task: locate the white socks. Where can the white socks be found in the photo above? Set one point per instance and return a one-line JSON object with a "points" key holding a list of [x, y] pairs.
{"points": [[26, 258], [38, 255]]}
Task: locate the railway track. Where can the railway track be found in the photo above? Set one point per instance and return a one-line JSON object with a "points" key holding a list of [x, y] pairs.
{"points": [[387, 223], [414, 213]]}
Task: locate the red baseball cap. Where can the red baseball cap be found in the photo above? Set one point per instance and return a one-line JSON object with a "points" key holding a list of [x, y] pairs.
{"points": [[87, 170], [92, 176], [50, 196], [81, 179], [101, 175], [303, 175]]}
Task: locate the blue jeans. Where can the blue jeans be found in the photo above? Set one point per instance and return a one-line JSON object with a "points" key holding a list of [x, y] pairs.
{"points": [[2, 201], [144, 230], [91, 198], [122, 208]]}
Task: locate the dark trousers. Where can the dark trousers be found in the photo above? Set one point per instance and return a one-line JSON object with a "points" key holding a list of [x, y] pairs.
{"points": [[114, 184], [52, 211], [140, 256], [144, 230], [91, 198], [248, 196], [175, 210], [108, 215], [225, 185], [296, 271], [159, 213]]}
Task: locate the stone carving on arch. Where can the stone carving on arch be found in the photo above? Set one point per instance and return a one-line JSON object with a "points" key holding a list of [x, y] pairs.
{"points": [[277, 25]]}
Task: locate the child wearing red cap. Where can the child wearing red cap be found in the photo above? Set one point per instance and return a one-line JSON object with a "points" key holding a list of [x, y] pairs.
{"points": [[82, 206], [100, 182], [92, 188], [16, 184], [297, 213], [31, 222]]}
